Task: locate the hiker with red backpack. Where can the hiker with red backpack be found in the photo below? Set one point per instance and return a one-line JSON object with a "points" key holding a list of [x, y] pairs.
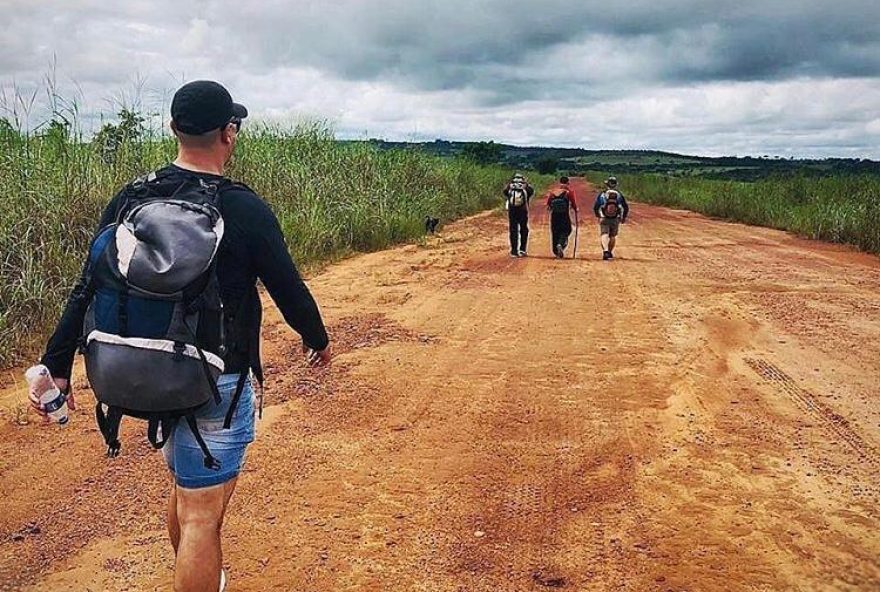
{"points": [[611, 209], [559, 201], [167, 316], [517, 196]]}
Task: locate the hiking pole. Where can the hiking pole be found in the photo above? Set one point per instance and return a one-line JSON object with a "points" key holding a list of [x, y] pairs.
{"points": [[577, 226]]}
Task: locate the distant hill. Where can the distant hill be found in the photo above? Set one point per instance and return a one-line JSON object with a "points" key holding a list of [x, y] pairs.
{"points": [[642, 161]]}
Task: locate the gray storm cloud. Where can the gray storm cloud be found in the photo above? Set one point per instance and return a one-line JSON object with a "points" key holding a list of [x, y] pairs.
{"points": [[478, 64], [457, 44]]}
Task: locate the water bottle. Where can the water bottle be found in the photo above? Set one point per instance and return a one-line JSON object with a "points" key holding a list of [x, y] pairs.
{"points": [[43, 387]]}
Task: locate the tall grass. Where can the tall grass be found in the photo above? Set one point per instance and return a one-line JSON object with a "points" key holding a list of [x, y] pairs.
{"points": [[842, 208], [331, 198]]}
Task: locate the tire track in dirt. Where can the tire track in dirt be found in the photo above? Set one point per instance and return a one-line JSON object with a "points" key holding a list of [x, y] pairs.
{"points": [[832, 422]]}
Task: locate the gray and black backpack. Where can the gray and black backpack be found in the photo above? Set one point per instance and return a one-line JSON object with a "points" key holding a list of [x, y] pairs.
{"points": [[517, 195], [153, 336]]}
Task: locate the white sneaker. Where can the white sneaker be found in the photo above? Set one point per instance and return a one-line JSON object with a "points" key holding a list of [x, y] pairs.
{"points": [[222, 580]]}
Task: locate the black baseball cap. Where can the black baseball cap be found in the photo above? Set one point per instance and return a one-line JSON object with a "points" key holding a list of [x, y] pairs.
{"points": [[203, 105]]}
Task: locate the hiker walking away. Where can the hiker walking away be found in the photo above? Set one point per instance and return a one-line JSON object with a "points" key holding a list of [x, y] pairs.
{"points": [[559, 202], [168, 316], [518, 194], [611, 209]]}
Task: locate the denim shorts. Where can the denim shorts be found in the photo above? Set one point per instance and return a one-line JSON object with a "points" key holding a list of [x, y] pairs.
{"points": [[183, 455]]}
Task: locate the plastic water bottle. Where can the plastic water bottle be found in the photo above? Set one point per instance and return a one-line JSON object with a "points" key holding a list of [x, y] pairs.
{"points": [[43, 387]]}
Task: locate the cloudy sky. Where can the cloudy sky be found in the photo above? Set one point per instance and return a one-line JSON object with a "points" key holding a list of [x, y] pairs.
{"points": [[780, 77]]}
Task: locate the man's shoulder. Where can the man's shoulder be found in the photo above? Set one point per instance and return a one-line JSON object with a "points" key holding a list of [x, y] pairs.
{"points": [[240, 197], [239, 190], [242, 205]]}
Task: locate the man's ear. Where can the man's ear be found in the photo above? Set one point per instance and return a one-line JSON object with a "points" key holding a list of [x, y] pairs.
{"points": [[173, 127], [226, 134]]}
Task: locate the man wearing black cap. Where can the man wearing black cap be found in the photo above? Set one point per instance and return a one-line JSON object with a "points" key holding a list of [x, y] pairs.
{"points": [[206, 122], [204, 106]]}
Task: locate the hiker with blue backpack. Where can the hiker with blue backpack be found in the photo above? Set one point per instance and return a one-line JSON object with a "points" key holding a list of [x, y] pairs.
{"points": [[167, 316], [611, 209], [517, 196]]}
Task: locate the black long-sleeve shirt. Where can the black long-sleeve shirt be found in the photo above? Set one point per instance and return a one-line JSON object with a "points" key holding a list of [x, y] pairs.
{"points": [[252, 248]]}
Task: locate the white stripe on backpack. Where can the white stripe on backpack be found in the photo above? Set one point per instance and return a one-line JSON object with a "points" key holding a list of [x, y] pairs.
{"points": [[163, 345]]}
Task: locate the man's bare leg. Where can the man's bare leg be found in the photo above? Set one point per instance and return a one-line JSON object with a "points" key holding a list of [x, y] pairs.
{"points": [[611, 242], [173, 523], [200, 515], [606, 241]]}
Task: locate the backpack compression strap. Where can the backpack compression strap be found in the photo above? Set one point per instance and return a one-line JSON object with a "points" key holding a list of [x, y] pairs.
{"points": [[153, 425], [254, 363], [206, 367], [108, 423], [210, 461], [215, 391], [239, 387]]}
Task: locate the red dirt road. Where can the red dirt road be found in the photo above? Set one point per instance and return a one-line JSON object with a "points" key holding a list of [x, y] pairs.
{"points": [[702, 413]]}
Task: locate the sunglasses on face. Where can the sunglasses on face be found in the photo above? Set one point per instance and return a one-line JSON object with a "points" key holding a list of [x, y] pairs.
{"points": [[236, 121]]}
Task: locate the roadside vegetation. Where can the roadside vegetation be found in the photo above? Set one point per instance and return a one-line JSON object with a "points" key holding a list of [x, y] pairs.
{"points": [[577, 161], [840, 208], [332, 198]]}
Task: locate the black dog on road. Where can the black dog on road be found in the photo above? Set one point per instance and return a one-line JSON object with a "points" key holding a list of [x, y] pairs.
{"points": [[431, 224]]}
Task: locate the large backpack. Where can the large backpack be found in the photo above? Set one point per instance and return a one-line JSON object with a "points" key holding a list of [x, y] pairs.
{"points": [[517, 195], [611, 207], [559, 203], [153, 336]]}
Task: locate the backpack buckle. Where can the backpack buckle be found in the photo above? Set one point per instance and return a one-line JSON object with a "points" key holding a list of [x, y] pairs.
{"points": [[211, 188]]}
